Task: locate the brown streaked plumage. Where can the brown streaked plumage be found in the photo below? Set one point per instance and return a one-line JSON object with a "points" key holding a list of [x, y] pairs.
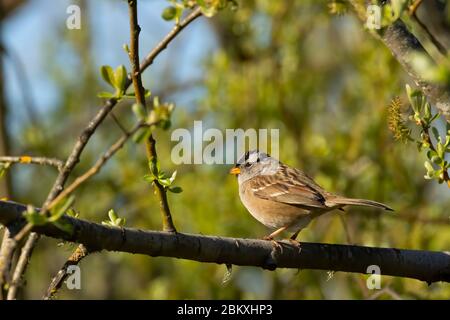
{"points": [[285, 198]]}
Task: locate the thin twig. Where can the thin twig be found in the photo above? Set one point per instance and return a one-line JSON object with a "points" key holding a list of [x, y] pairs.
{"points": [[33, 160], [139, 90], [75, 258], [113, 116], [413, 8], [21, 265]]}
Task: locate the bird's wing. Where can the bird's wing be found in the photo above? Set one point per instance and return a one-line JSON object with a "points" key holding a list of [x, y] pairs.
{"points": [[292, 187]]}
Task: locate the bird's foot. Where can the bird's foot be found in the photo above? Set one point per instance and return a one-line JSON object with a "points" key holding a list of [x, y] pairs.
{"points": [[275, 243]]}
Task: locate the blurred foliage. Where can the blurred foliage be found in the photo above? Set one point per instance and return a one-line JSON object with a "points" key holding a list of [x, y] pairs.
{"points": [[290, 65]]}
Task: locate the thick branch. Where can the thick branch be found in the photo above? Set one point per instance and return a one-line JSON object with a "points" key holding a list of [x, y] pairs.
{"points": [[429, 266], [404, 46]]}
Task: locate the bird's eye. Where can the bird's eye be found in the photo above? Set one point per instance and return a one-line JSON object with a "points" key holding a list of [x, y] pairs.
{"points": [[247, 164]]}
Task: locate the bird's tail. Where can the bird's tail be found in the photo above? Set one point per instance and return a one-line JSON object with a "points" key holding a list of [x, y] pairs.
{"points": [[358, 202]]}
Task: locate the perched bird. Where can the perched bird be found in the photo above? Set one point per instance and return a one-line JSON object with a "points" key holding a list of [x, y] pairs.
{"points": [[285, 198]]}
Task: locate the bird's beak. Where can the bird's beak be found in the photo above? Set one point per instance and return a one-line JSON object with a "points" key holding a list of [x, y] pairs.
{"points": [[235, 171]]}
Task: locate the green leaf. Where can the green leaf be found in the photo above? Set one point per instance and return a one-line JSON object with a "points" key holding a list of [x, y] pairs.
{"points": [[435, 132], [149, 178], [120, 76], [169, 13], [428, 166], [3, 168], [176, 189], [440, 149], [437, 160], [436, 115], [165, 182], [108, 75], [398, 7], [33, 217], [112, 215], [431, 154], [173, 177], [153, 164], [106, 95], [64, 226], [59, 211], [165, 124], [120, 222]]}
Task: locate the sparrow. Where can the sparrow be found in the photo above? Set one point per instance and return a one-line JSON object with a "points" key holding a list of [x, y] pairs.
{"points": [[285, 198]]}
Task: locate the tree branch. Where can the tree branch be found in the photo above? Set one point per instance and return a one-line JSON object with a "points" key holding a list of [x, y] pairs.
{"points": [[404, 46], [429, 266], [34, 160]]}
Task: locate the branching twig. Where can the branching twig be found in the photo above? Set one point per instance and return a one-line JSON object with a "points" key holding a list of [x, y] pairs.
{"points": [[34, 160], [75, 258], [139, 90], [429, 266]]}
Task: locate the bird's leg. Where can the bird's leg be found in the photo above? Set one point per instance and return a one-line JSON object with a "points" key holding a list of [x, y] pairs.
{"points": [[274, 234], [293, 238]]}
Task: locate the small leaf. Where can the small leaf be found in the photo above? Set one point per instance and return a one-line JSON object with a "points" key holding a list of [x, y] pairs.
{"points": [[173, 177], [59, 212], [431, 154], [176, 189], [108, 75], [153, 164], [435, 132], [106, 95], [33, 217], [169, 13], [428, 166], [120, 76], [165, 124], [120, 222], [112, 215], [436, 160], [165, 182], [440, 149], [64, 226], [149, 178], [3, 168]]}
